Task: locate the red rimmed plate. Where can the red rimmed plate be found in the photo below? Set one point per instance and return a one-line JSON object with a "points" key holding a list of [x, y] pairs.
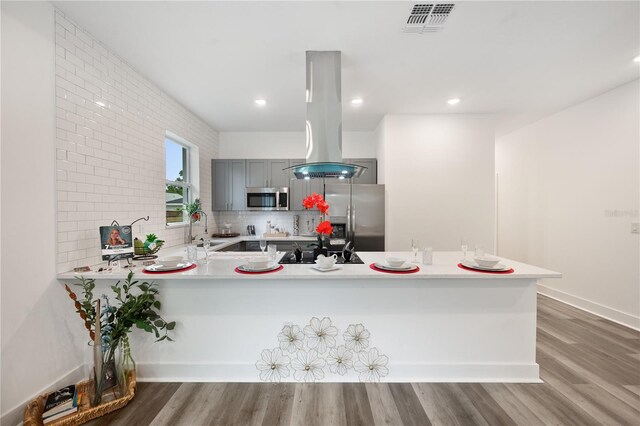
{"points": [[152, 272], [388, 271], [484, 271], [240, 271]]}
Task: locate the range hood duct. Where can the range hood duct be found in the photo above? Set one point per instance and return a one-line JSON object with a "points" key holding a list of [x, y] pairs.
{"points": [[324, 120]]}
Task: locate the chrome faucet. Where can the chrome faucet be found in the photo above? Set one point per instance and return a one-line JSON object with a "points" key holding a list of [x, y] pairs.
{"points": [[206, 225]]}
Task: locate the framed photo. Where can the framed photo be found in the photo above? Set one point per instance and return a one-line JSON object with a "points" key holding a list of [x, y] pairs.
{"points": [[116, 241]]}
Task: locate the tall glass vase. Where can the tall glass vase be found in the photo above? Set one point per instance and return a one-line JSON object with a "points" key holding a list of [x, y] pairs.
{"points": [[112, 379]]}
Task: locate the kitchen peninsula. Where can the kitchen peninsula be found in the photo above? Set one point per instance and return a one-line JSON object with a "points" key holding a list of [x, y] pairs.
{"points": [[442, 323]]}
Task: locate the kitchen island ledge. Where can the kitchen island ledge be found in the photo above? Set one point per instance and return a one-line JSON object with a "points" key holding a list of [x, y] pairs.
{"points": [[221, 265], [442, 324]]}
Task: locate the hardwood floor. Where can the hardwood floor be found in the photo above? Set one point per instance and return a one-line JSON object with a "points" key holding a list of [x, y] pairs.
{"points": [[590, 368]]}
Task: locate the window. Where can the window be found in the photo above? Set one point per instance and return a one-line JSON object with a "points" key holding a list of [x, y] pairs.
{"points": [[181, 177]]}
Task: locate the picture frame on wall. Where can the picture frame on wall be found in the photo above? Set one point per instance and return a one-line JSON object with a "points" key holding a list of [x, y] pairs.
{"points": [[116, 241]]}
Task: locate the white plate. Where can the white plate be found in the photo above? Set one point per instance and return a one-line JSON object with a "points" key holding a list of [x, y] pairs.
{"points": [[248, 268], [473, 265], [162, 268], [318, 268], [405, 267]]}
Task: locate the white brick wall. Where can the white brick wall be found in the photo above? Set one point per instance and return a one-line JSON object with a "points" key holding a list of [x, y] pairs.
{"points": [[111, 124]]}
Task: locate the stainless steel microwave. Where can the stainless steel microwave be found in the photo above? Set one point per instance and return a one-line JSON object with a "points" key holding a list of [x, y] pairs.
{"points": [[267, 198]]}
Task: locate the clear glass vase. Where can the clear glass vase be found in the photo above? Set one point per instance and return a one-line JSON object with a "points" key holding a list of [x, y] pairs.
{"points": [[111, 379]]}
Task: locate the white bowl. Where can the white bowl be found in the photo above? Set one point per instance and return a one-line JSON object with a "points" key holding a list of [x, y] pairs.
{"points": [[487, 261], [171, 261], [395, 262], [259, 261]]}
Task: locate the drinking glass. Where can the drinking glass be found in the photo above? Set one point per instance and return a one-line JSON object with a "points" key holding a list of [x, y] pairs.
{"points": [[192, 253], [263, 245], [464, 245], [479, 251], [415, 246], [206, 245], [272, 252]]}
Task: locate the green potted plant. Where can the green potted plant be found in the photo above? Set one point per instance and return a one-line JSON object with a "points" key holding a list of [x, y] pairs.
{"points": [[136, 304]]}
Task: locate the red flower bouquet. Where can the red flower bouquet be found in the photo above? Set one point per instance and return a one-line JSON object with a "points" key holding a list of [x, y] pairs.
{"points": [[324, 228]]}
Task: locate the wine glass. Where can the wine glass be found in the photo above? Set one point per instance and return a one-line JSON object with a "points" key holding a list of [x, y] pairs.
{"points": [[263, 245], [464, 245], [415, 246], [206, 245]]}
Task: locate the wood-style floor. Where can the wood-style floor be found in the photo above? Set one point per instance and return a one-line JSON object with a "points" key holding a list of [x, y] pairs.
{"points": [[590, 368]]}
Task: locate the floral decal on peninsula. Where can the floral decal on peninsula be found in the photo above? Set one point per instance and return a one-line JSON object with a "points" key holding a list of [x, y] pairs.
{"points": [[311, 352]]}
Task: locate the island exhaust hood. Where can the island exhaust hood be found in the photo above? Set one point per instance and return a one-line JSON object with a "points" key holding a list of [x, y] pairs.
{"points": [[324, 120]]}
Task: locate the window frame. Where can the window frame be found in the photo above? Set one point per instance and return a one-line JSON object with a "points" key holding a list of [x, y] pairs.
{"points": [[191, 174]]}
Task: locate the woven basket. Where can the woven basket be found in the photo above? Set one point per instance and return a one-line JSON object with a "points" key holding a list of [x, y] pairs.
{"points": [[33, 411]]}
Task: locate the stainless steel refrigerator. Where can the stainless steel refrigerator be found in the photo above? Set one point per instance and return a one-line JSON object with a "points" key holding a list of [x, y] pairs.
{"points": [[361, 208]]}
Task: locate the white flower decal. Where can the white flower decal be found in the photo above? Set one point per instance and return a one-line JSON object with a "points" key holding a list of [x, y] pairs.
{"points": [[371, 366], [320, 334], [356, 337], [291, 338], [308, 367], [273, 366], [340, 360]]}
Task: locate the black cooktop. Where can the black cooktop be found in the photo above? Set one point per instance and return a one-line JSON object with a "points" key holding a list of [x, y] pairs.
{"points": [[307, 257]]}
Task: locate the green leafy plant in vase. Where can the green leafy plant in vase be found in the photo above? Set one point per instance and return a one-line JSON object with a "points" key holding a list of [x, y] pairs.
{"points": [[136, 304]]}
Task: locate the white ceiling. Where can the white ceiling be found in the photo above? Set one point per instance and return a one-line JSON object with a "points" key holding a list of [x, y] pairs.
{"points": [[519, 60]]}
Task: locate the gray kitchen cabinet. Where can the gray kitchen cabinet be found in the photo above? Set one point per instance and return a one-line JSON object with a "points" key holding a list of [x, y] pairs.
{"points": [[300, 188], [228, 184], [267, 173], [370, 175]]}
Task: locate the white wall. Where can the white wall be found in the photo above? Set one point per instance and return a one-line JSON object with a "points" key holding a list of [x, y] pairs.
{"points": [[111, 123], [568, 191], [439, 177], [42, 340], [289, 145]]}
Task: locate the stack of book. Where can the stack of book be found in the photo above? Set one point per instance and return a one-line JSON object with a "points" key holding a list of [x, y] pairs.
{"points": [[61, 403]]}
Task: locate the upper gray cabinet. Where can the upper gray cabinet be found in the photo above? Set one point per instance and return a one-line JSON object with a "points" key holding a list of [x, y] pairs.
{"points": [[228, 184], [267, 173], [370, 175]]}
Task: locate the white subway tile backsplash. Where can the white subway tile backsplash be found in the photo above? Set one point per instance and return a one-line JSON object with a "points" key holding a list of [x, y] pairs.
{"points": [[110, 147]]}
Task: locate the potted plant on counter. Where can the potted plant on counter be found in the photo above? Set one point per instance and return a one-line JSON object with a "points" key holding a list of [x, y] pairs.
{"points": [[324, 228]]}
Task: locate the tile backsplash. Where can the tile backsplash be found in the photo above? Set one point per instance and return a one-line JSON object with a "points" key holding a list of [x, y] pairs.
{"points": [[111, 124], [283, 220]]}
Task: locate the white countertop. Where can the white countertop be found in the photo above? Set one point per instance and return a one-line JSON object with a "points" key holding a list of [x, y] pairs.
{"points": [[221, 266]]}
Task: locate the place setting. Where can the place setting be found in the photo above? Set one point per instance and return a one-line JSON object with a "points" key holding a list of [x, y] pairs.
{"points": [[395, 265], [482, 262], [259, 265], [169, 265]]}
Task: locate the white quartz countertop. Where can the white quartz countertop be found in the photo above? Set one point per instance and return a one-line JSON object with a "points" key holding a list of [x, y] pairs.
{"points": [[221, 266]]}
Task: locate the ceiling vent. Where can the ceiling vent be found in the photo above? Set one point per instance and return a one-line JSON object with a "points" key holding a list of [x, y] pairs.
{"points": [[428, 17]]}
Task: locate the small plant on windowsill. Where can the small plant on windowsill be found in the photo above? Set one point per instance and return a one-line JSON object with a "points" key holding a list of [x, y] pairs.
{"points": [[324, 228]]}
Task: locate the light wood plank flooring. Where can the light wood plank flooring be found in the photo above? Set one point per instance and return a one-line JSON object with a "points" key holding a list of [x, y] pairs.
{"points": [[590, 368]]}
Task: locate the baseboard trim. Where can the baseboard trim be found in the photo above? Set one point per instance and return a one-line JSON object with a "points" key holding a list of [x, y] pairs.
{"points": [[399, 373], [594, 308], [15, 415]]}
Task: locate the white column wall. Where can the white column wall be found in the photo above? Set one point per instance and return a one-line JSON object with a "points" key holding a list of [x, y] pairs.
{"points": [[568, 191], [439, 177]]}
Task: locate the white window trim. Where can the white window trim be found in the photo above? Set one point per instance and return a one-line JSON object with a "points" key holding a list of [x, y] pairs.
{"points": [[193, 166]]}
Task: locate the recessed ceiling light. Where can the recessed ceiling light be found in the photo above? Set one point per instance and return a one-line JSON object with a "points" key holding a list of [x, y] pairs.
{"points": [[356, 101], [636, 59], [453, 101], [260, 102]]}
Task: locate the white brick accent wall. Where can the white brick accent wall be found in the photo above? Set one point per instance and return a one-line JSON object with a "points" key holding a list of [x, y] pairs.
{"points": [[111, 125]]}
